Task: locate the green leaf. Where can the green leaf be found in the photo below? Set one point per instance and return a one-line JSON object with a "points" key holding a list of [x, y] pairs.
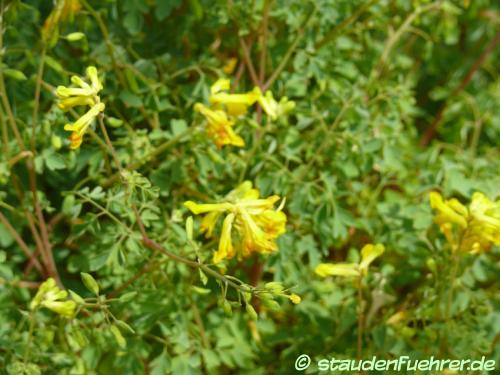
{"points": [[178, 126], [164, 8], [6, 238], [54, 161], [130, 99]]}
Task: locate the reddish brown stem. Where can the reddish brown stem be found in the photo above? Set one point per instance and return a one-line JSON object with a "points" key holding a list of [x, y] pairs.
{"points": [[432, 129], [26, 250]]}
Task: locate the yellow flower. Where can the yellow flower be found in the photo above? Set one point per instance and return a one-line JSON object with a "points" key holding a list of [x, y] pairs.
{"points": [[81, 125], [470, 229], [251, 224], [295, 298], [235, 104], [483, 228], [85, 94], [82, 95], [51, 297], [219, 127], [274, 109], [368, 254], [450, 211], [230, 65]]}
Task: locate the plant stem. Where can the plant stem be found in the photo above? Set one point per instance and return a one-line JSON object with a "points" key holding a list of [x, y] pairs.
{"points": [[431, 130], [332, 34], [249, 63], [361, 318], [27, 350], [26, 250], [284, 61], [447, 313], [391, 41], [151, 156]]}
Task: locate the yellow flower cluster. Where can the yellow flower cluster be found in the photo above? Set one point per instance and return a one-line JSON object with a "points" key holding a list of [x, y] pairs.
{"points": [[368, 254], [251, 223], [51, 297], [224, 104], [85, 94], [472, 229]]}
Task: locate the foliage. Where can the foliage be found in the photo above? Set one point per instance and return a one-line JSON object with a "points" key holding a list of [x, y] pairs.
{"points": [[392, 99]]}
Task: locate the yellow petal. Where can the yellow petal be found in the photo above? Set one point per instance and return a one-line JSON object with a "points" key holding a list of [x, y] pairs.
{"points": [[225, 244], [397, 318], [80, 82], [73, 101], [65, 92], [295, 298], [369, 253], [223, 134], [458, 207], [254, 238], [197, 209], [255, 206], [208, 223], [75, 140], [94, 79], [64, 308], [339, 269], [273, 223], [236, 109], [221, 84], [243, 191], [446, 212], [269, 105], [83, 122], [246, 99], [230, 65]]}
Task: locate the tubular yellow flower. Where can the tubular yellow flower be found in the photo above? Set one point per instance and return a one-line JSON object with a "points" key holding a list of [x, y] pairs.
{"points": [[273, 108], [50, 296], [230, 65], [369, 253], [471, 229], [483, 229], [85, 94], [251, 224], [340, 269], [450, 211], [235, 104], [81, 125], [219, 127], [295, 298], [225, 244]]}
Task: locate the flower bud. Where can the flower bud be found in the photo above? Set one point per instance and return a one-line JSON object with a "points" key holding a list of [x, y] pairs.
{"points": [[73, 37]]}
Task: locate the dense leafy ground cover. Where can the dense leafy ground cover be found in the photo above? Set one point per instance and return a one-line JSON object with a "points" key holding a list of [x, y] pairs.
{"points": [[225, 185]]}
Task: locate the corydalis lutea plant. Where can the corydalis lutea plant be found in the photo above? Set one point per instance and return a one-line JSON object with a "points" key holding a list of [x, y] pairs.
{"points": [[251, 224], [468, 229], [258, 223], [85, 94]]}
